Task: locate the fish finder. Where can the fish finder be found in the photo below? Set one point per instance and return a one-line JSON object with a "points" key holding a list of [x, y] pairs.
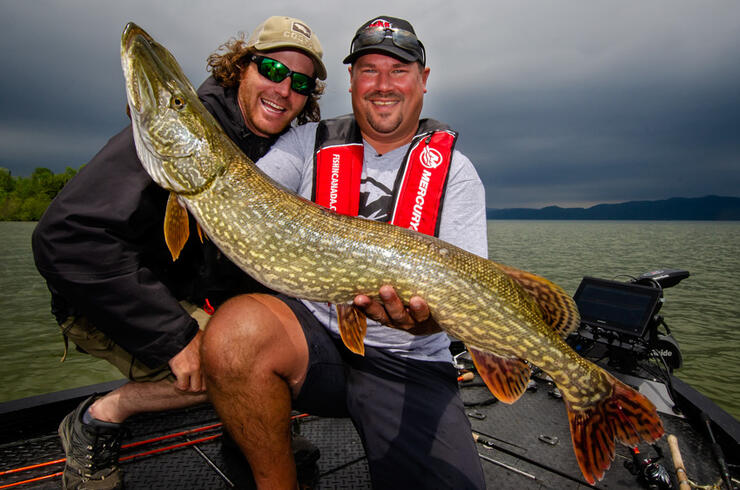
{"points": [[622, 318], [619, 307]]}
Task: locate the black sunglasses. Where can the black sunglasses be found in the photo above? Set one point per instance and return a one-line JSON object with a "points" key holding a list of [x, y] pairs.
{"points": [[276, 72], [404, 39]]}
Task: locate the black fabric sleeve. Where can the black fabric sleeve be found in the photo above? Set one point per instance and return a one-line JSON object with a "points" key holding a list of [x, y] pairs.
{"points": [[100, 246]]}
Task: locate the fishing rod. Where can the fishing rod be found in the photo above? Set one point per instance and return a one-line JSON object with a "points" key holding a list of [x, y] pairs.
{"points": [[125, 458], [488, 436], [213, 465], [126, 446], [508, 467], [681, 475], [135, 444], [32, 480], [490, 444], [717, 450], [343, 466]]}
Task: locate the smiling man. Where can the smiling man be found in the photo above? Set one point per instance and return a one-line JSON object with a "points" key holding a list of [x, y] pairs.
{"points": [[116, 292], [264, 354]]}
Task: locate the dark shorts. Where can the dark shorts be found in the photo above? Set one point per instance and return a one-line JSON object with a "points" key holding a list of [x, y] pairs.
{"points": [[408, 413]]}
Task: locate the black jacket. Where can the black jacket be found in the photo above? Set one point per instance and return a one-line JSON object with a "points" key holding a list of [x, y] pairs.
{"points": [[100, 246]]}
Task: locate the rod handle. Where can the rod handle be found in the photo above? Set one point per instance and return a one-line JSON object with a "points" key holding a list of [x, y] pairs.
{"points": [[683, 479]]}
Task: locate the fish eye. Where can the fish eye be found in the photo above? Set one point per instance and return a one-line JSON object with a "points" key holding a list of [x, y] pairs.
{"points": [[177, 103]]}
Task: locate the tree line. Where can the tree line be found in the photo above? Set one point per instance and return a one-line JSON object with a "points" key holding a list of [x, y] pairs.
{"points": [[26, 198]]}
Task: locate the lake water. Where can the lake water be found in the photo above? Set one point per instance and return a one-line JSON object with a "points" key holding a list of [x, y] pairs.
{"points": [[703, 311]]}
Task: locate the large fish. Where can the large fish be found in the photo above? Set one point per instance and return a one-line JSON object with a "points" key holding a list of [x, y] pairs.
{"points": [[506, 317]]}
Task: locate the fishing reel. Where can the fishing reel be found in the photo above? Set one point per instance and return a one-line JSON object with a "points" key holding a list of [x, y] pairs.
{"points": [[649, 472]]}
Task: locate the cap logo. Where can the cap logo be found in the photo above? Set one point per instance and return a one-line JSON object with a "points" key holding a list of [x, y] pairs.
{"points": [[301, 28], [431, 158], [382, 23]]}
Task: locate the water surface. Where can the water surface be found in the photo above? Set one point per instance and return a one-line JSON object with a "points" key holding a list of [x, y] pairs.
{"points": [[702, 311]]}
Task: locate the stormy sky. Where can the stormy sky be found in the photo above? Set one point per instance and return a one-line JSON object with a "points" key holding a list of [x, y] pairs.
{"points": [[568, 103]]}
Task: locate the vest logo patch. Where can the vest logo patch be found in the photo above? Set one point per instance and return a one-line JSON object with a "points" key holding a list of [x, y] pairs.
{"points": [[430, 157]]}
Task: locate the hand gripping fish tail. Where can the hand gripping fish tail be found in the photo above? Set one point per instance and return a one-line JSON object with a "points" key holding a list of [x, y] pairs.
{"points": [[626, 416]]}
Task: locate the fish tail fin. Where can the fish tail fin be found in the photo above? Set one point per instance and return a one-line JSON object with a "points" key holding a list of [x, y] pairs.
{"points": [[626, 416]]}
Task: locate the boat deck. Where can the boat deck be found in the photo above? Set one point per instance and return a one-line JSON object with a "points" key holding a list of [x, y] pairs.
{"points": [[525, 445]]}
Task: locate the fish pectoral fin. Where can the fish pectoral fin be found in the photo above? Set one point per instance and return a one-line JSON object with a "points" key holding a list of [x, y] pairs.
{"points": [[506, 377], [559, 311], [352, 327], [176, 227]]}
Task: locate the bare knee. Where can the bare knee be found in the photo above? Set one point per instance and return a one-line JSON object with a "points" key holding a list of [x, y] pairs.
{"points": [[251, 336], [232, 334]]}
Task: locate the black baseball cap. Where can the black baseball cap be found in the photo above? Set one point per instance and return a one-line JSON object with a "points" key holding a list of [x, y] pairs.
{"points": [[387, 35]]}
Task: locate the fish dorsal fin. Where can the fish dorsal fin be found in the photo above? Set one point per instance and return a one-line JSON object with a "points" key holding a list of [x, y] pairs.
{"points": [[176, 228], [352, 327], [506, 377], [559, 311]]}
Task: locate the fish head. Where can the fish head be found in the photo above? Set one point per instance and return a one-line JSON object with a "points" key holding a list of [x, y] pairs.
{"points": [[175, 135]]}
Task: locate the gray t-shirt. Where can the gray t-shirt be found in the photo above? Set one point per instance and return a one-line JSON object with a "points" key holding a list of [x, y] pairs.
{"points": [[462, 223]]}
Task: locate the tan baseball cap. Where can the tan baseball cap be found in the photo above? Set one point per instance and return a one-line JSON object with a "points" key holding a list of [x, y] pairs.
{"points": [[287, 32]]}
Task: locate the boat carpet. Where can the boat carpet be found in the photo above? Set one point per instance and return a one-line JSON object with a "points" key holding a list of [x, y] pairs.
{"points": [[531, 437]]}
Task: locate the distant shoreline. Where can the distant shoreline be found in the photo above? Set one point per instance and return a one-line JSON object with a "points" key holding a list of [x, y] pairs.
{"points": [[707, 208]]}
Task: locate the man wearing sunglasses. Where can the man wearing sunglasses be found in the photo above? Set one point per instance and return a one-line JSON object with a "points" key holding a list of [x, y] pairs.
{"points": [[116, 291], [265, 354]]}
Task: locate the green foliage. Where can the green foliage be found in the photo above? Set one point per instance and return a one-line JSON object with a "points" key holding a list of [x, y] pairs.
{"points": [[26, 198]]}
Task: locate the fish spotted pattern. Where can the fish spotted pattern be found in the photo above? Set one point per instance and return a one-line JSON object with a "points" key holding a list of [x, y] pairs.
{"points": [[506, 317]]}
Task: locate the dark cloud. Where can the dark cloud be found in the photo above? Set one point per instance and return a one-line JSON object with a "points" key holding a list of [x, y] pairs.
{"points": [[568, 104], [602, 140]]}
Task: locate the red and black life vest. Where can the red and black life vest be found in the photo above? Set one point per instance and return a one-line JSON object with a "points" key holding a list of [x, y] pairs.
{"points": [[419, 188]]}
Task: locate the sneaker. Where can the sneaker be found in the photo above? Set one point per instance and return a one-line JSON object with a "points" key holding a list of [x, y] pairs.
{"points": [[92, 451]]}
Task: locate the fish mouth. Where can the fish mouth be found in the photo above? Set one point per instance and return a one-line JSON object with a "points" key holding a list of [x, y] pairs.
{"points": [[151, 74], [150, 70], [173, 132], [136, 59]]}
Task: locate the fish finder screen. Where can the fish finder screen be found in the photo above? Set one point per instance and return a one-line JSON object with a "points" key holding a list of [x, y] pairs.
{"points": [[617, 306]]}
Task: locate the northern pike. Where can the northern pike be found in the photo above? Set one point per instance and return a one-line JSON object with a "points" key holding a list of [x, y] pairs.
{"points": [[507, 318]]}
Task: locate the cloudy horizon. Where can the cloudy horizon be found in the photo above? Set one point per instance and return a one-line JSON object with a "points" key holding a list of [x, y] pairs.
{"points": [[558, 103]]}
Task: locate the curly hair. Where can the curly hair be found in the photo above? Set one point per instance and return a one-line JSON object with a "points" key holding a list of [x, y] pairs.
{"points": [[227, 68]]}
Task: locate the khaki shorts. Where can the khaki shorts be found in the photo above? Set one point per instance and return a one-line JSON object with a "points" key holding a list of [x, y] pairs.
{"points": [[91, 340]]}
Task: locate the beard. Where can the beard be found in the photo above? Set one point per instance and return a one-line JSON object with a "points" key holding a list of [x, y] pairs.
{"points": [[384, 123]]}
